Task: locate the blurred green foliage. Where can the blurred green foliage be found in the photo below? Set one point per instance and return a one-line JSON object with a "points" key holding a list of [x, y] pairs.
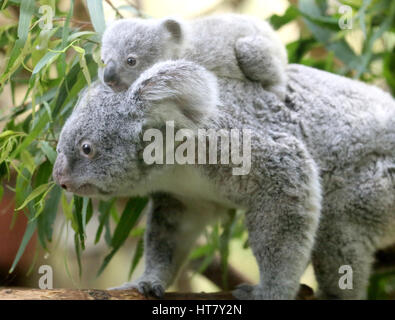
{"points": [[369, 24], [54, 64]]}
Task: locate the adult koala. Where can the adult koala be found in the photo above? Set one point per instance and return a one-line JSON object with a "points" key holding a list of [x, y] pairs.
{"points": [[320, 187]]}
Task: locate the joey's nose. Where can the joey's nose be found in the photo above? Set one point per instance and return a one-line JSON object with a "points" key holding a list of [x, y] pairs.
{"points": [[110, 75]]}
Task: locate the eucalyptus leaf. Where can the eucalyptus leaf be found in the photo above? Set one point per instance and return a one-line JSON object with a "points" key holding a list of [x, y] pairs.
{"points": [[35, 193], [96, 13]]}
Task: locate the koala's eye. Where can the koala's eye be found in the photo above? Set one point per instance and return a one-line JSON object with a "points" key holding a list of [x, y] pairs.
{"points": [[131, 61], [87, 149]]}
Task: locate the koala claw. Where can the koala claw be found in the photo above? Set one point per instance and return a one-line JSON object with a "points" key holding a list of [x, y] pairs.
{"points": [[245, 292], [146, 287], [151, 288]]}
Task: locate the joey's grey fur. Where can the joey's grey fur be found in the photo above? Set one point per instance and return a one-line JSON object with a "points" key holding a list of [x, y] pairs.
{"points": [[231, 45], [321, 186]]}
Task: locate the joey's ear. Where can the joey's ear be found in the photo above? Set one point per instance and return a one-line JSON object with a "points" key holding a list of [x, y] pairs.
{"points": [[174, 28], [178, 90]]}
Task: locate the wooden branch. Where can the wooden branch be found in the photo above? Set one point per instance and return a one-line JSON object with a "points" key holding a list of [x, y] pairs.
{"points": [[305, 293]]}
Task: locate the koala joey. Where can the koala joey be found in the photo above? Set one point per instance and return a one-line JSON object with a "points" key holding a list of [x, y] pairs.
{"points": [[320, 188], [231, 45]]}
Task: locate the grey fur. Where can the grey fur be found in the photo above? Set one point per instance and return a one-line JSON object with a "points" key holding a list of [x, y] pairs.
{"points": [[230, 45], [321, 186]]}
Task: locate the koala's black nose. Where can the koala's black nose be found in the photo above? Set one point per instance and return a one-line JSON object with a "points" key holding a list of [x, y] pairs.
{"points": [[110, 75], [61, 171]]}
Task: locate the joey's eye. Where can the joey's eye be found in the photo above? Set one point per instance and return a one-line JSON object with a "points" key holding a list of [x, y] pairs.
{"points": [[87, 149], [131, 61]]}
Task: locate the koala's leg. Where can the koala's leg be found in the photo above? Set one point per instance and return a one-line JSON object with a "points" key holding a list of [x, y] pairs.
{"points": [[260, 62], [172, 229], [342, 263], [357, 220], [283, 222]]}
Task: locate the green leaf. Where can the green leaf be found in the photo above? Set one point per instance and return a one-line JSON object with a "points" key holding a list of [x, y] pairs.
{"points": [[79, 35], [78, 205], [107, 233], [95, 8], [129, 218], [28, 161], [67, 208], [35, 193], [106, 261], [202, 251], [25, 16], [388, 70], [48, 59], [9, 133], [48, 151], [47, 218], [22, 185], [290, 15], [298, 49], [43, 173], [138, 254], [104, 213], [66, 28], [206, 262], [89, 211], [83, 63], [29, 231], [38, 128], [72, 84], [48, 109], [85, 203], [77, 245]]}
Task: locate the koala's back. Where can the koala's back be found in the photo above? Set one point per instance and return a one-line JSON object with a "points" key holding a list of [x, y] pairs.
{"points": [[212, 40], [344, 120], [341, 121]]}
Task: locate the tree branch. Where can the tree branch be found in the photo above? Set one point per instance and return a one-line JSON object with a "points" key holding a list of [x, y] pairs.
{"points": [[305, 293]]}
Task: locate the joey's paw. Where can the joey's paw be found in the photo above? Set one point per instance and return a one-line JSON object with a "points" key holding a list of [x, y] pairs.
{"points": [[146, 286], [246, 292], [279, 90]]}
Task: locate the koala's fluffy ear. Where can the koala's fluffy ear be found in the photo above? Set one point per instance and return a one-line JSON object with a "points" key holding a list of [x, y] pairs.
{"points": [[178, 90], [174, 27]]}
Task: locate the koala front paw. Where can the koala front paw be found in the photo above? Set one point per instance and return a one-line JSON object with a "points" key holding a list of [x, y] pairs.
{"points": [[146, 286], [246, 292]]}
